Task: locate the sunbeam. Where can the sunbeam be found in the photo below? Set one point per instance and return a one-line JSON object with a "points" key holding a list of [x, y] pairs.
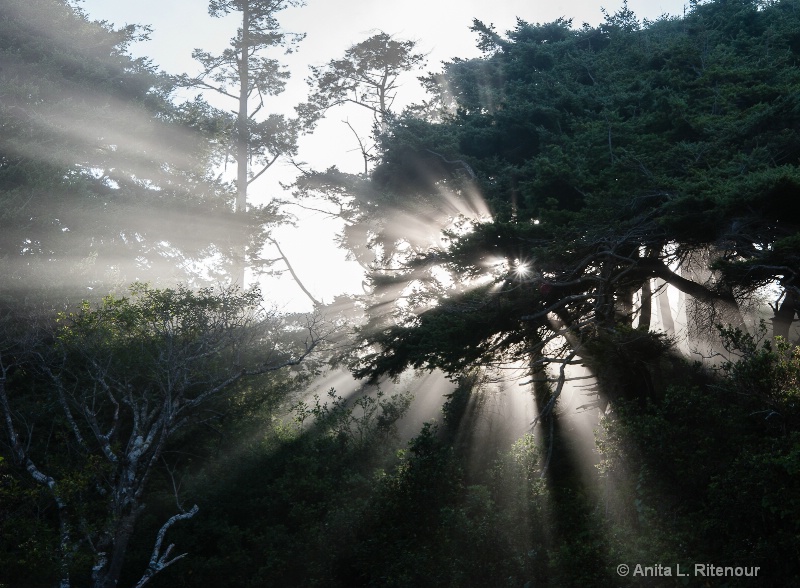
{"points": [[305, 315]]}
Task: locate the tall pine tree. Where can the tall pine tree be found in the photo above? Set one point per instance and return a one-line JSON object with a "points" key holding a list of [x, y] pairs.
{"points": [[103, 179], [244, 74]]}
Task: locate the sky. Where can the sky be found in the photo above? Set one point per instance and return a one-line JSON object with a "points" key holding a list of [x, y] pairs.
{"points": [[441, 29]]}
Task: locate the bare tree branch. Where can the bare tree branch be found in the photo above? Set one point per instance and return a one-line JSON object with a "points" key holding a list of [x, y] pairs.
{"points": [[158, 560], [297, 280]]}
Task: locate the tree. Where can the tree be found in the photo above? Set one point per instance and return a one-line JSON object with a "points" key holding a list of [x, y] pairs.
{"points": [[366, 76], [242, 73], [98, 166], [117, 382], [610, 157]]}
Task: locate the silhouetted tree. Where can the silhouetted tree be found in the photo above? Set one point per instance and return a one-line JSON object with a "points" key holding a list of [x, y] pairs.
{"points": [[246, 75], [367, 76], [609, 157], [103, 178]]}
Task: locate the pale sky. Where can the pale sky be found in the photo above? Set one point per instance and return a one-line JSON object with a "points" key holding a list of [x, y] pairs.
{"points": [[441, 28]]}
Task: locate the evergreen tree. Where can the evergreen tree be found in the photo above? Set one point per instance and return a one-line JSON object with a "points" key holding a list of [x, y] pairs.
{"points": [[103, 179], [244, 74], [609, 157]]}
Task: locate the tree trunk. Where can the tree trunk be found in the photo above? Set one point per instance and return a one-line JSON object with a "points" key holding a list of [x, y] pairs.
{"points": [[665, 311], [120, 547], [538, 373], [625, 306], [646, 309], [605, 308], [242, 142], [784, 316]]}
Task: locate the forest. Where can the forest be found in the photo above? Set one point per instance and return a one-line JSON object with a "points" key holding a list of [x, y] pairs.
{"points": [[593, 231]]}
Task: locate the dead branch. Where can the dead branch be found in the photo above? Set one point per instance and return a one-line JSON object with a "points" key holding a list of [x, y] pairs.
{"points": [[159, 561]]}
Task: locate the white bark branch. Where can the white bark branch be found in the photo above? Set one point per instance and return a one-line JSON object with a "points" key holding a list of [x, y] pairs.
{"points": [[159, 560]]}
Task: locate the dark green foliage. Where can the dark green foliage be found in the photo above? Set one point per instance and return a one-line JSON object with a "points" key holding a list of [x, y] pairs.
{"points": [[608, 156], [708, 473], [452, 337], [28, 536], [281, 510], [329, 515], [119, 391], [765, 376], [628, 363]]}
